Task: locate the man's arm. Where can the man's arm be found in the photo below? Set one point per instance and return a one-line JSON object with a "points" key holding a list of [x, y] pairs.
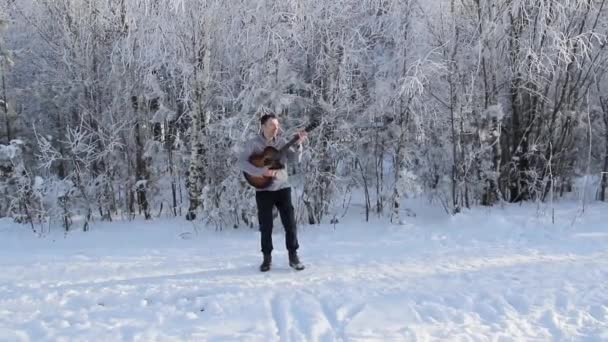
{"points": [[294, 153], [245, 165]]}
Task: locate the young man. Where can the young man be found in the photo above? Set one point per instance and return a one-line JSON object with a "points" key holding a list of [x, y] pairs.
{"points": [[276, 194]]}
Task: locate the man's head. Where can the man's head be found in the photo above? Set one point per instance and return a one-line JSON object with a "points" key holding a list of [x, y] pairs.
{"points": [[270, 125]]}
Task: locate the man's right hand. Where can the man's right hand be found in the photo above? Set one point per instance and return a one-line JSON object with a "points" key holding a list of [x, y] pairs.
{"points": [[270, 173]]}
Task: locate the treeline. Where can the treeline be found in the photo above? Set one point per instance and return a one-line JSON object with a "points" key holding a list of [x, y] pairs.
{"points": [[122, 108]]}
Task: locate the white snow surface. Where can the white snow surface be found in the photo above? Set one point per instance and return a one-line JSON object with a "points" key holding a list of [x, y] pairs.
{"points": [[487, 274]]}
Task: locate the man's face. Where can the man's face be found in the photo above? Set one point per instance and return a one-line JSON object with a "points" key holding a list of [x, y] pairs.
{"points": [[271, 128]]}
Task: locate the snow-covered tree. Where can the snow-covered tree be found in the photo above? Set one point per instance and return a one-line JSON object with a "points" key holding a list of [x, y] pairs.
{"points": [[138, 107]]}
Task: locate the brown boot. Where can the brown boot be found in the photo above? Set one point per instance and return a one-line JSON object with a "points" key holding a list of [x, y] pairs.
{"points": [[265, 266]]}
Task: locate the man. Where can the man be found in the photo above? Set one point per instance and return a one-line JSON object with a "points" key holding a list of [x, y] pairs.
{"points": [[278, 193]]}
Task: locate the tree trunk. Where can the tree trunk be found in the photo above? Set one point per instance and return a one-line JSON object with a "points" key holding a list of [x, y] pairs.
{"points": [[141, 171], [604, 183], [399, 167], [455, 137], [141, 174], [379, 168], [9, 133], [517, 183], [196, 171]]}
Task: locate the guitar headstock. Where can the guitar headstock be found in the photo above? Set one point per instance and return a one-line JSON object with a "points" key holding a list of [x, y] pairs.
{"points": [[315, 115], [312, 125]]}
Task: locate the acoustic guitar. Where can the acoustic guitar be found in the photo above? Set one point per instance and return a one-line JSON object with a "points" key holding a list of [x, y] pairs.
{"points": [[270, 158]]}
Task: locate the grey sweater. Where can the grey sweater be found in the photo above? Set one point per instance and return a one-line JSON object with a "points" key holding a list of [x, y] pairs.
{"points": [[256, 145]]}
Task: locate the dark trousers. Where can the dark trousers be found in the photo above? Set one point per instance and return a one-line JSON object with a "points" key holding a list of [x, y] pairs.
{"points": [[265, 201]]}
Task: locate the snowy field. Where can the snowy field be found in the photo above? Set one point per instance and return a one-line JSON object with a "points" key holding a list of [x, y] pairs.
{"points": [[495, 274]]}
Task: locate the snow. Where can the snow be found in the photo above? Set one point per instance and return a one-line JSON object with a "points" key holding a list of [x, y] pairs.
{"points": [[499, 274], [11, 151], [495, 111], [163, 114]]}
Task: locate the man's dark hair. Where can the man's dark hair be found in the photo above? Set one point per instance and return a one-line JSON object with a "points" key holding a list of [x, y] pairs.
{"points": [[267, 117]]}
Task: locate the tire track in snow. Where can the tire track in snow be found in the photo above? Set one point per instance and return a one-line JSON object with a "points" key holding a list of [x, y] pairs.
{"points": [[279, 317]]}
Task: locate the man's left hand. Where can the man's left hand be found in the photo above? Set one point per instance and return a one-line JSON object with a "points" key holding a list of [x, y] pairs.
{"points": [[302, 136]]}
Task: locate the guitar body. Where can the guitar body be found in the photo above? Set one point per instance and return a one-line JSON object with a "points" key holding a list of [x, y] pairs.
{"points": [[269, 158]]}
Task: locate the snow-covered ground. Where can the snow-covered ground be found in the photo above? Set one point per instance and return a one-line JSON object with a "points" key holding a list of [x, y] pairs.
{"points": [[494, 274]]}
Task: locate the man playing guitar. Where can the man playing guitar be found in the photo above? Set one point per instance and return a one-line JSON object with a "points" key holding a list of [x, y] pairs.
{"points": [[278, 192]]}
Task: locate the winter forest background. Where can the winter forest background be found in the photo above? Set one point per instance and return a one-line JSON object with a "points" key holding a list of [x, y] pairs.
{"points": [[120, 108]]}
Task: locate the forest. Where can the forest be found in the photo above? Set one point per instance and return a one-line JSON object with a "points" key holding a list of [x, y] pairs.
{"points": [[118, 109]]}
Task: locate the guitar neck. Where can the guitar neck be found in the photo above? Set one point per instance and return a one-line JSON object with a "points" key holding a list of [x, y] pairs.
{"points": [[295, 138], [289, 144]]}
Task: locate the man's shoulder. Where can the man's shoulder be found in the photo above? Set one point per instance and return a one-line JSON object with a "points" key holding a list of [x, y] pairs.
{"points": [[253, 139], [254, 142]]}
